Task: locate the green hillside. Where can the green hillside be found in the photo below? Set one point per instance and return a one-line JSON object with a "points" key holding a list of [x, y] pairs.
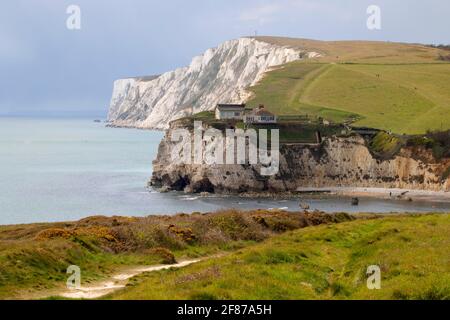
{"points": [[323, 262], [400, 87]]}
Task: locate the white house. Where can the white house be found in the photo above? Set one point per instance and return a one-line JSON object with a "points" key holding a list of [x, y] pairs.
{"points": [[230, 111], [260, 115]]}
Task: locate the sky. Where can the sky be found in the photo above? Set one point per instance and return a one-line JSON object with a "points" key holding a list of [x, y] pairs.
{"points": [[50, 70]]}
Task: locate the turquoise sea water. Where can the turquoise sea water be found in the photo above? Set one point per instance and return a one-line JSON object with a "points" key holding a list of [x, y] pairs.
{"points": [[57, 169], [67, 169]]}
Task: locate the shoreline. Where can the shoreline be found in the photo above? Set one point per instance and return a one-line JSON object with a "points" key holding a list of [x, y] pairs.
{"points": [[383, 193], [372, 192], [124, 126]]}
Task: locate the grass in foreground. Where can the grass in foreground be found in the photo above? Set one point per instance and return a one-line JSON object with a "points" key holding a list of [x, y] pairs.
{"points": [[35, 257], [323, 262]]}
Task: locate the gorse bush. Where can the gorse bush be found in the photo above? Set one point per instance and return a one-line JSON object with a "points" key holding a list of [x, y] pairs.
{"points": [[166, 255], [177, 232]]}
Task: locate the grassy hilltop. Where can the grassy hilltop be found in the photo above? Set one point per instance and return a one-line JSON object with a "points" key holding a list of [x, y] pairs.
{"points": [[392, 86]]}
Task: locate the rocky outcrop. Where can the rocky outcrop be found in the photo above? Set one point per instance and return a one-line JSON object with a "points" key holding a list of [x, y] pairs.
{"points": [[221, 74], [336, 162]]}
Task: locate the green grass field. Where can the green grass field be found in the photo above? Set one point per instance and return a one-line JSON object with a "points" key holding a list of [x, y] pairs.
{"points": [[262, 255], [323, 262], [398, 87], [34, 258]]}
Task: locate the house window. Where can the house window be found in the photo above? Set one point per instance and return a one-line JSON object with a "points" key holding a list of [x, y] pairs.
{"points": [[237, 114]]}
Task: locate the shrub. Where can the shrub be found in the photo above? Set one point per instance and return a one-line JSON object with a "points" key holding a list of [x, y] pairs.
{"points": [[98, 232], [166, 255], [185, 234], [53, 233], [236, 225], [160, 236], [438, 152], [441, 143]]}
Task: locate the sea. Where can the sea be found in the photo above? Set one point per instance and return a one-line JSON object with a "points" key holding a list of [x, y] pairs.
{"points": [[68, 169]]}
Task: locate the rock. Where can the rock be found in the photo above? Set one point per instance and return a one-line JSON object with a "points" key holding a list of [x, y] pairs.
{"points": [[164, 189], [337, 162], [221, 74], [355, 201], [304, 206], [203, 186]]}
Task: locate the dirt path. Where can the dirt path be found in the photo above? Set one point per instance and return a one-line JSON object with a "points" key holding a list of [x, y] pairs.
{"points": [[117, 281]]}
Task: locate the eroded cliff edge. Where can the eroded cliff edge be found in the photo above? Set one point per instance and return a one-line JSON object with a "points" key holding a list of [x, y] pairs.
{"points": [[335, 162], [221, 74]]}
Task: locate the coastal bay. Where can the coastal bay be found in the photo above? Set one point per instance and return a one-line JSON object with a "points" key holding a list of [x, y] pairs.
{"points": [[67, 169]]}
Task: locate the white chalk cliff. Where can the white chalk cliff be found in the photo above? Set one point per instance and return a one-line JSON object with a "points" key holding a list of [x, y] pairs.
{"points": [[221, 74]]}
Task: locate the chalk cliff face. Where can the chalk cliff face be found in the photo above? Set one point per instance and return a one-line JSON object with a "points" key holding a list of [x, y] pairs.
{"points": [[221, 74], [337, 162]]}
